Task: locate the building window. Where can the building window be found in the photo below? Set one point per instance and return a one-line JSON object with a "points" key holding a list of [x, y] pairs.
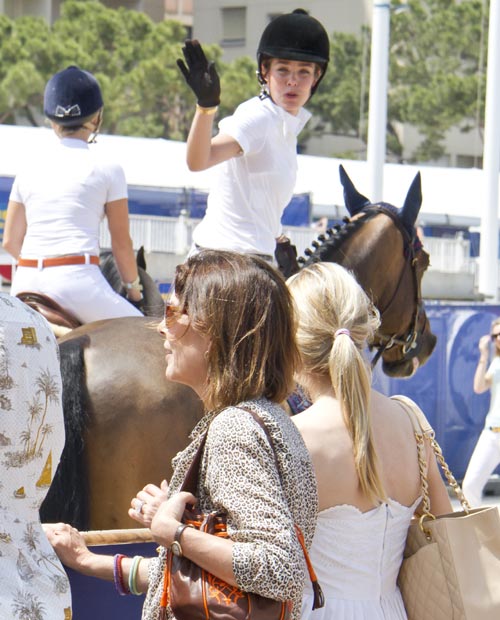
{"points": [[469, 161], [234, 26]]}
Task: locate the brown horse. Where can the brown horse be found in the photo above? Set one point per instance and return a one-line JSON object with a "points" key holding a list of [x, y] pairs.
{"points": [[380, 246], [130, 421]]}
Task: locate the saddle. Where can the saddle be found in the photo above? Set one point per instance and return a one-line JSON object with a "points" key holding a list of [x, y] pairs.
{"points": [[49, 309]]}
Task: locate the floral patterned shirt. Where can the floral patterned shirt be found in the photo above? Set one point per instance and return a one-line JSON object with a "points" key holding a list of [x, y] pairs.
{"points": [[33, 582], [264, 490]]}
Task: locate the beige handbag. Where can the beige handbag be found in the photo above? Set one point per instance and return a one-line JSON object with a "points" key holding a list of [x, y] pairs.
{"points": [[451, 565]]}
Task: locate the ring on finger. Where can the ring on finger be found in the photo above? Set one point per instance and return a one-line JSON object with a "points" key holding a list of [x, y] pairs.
{"points": [[139, 506]]}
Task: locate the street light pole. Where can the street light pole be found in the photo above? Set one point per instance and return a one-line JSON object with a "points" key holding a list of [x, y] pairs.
{"points": [[488, 255], [377, 113]]}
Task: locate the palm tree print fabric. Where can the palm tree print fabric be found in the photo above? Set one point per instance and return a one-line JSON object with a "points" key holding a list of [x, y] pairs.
{"points": [[33, 583]]}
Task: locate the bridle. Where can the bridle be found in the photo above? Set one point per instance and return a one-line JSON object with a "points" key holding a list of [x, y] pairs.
{"points": [[408, 341]]}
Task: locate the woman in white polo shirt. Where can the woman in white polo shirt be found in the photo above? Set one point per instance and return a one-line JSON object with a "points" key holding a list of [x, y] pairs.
{"points": [[57, 203], [256, 147]]}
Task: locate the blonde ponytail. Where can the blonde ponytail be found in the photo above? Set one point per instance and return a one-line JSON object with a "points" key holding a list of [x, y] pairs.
{"points": [[335, 320]]}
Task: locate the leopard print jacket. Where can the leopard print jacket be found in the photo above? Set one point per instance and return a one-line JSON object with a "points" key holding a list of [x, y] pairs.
{"points": [[238, 474]]}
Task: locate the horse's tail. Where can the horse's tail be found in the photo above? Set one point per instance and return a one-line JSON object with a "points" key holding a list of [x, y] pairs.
{"points": [[68, 498]]}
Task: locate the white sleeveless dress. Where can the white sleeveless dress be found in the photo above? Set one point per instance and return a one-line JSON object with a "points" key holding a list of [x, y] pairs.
{"points": [[357, 557]]}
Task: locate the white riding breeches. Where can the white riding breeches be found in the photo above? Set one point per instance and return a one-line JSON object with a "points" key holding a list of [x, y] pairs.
{"points": [[80, 289], [484, 460]]}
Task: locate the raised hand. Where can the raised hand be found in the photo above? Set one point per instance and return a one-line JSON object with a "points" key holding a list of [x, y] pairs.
{"points": [[200, 74]]}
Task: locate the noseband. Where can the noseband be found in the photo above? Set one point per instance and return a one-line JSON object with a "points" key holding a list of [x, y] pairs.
{"points": [[408, 341]]}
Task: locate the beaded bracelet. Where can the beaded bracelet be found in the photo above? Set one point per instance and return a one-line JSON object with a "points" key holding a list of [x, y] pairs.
{"points": [[132, 576], [208, 111], [121, 588]]}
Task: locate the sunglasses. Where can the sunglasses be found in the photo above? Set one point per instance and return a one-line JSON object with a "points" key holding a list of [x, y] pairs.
{"points": [[495, 336], [172, 313]]}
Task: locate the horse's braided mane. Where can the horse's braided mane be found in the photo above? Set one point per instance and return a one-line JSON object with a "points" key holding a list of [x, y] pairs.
{"points": [[326, 244]]}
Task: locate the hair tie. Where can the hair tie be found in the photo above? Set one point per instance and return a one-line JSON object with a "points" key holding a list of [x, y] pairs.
{"points": [[342, 331]]}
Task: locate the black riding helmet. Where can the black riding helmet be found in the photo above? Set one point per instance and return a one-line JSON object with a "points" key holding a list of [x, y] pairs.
{"points": [[295, 36], [72, 97]]}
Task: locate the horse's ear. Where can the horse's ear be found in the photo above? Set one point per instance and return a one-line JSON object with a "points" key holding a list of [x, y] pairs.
{"points": [[140, 259], [413, 202], [354, 201]]}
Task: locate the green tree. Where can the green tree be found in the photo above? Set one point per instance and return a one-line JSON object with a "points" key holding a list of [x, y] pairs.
{"points": [[341, 99], [436, 77]]}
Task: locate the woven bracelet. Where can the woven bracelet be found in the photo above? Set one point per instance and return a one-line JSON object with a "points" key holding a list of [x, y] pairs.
{"points": [[118, 575], [132, 576]]}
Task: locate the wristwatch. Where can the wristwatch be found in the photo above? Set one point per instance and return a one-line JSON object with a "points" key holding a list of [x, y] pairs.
{"points": [[175, 547], [136, 285]]}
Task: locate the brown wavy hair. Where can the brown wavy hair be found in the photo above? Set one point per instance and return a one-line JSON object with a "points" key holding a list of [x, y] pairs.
{"points": [[244, 307]]}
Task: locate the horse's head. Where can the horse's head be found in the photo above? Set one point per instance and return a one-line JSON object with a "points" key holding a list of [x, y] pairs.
{"points": [[379, 244]]}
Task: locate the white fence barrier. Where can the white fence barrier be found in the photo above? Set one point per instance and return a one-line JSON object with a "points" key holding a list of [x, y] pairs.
{"points": [[173, 235]]}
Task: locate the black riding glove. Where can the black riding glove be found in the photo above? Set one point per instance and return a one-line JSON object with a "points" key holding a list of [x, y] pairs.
{"points": [[200, 74], [286, 257]]}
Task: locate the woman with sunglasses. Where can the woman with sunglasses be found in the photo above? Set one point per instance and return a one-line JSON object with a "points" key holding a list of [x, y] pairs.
{"points": [[486, 455], [229, 334]]}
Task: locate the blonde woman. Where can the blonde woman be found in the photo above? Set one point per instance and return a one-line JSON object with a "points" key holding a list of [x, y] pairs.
{"points": [[363, 450], [486, 455]]}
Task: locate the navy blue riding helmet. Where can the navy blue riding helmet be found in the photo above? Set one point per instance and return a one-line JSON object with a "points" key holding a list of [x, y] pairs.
{"points": [[295, 36], [72, 97]]}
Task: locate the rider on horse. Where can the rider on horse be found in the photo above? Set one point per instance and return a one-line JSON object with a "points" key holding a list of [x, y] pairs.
{"points": [[57, 203], [256, 147]]}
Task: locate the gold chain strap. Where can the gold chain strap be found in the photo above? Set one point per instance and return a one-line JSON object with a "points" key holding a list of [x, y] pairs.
{"points": [[447, 472], [420, 436], [422, 466]]}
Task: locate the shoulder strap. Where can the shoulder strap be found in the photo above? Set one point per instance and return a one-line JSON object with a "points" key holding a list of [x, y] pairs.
{"points": [[414, 412], [190, 483], [410, 408], [422, 429]]}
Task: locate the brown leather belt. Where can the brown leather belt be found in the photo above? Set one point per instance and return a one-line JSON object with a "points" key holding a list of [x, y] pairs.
{"points": [[494, 429], [58, 261]]}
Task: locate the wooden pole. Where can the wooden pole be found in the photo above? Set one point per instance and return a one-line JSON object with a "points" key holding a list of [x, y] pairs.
{"points": [[95, 538]]}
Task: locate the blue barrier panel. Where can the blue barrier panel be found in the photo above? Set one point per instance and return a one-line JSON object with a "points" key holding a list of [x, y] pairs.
{"points": [[443, 387]]}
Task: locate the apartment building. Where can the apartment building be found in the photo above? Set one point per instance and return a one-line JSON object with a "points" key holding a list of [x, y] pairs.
{"points": [[157, 10], [236, 26]]}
